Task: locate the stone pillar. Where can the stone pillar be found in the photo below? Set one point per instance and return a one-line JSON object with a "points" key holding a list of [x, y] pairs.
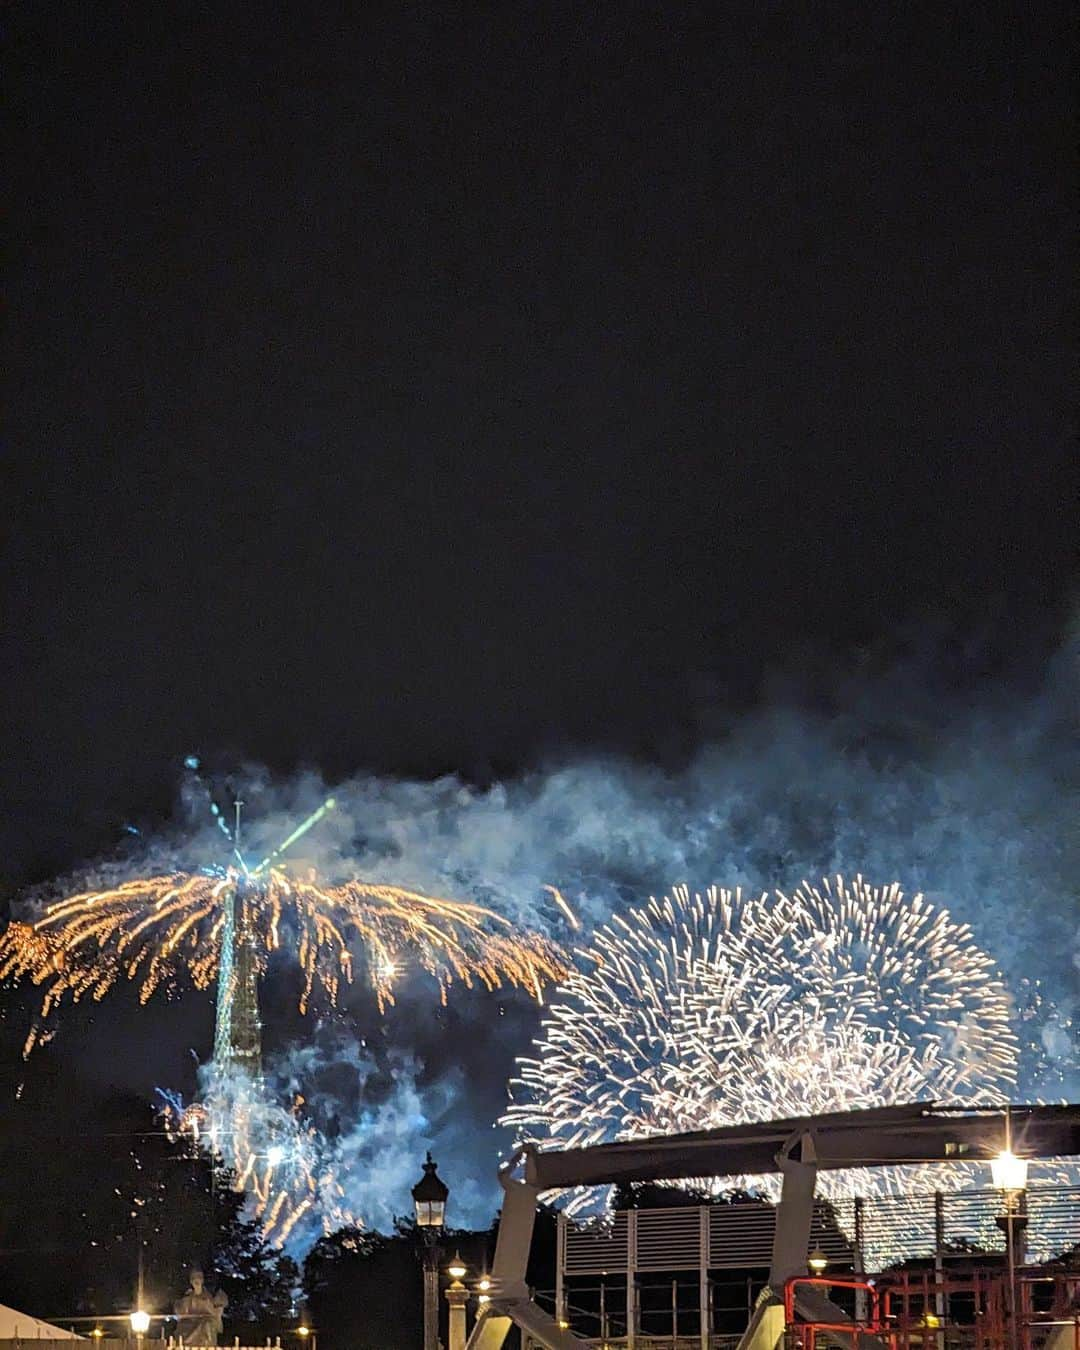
{"points": [[431, 1298], [457, 1296]]}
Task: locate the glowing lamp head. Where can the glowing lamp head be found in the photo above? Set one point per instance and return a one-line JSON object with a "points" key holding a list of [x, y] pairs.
{"points": [[457, 1268], [817, 1261], [97, 1333], [483, 1299], [303, 1330], [429, 1197], [483, 1284], [1008, 1171], [140, 1322]]}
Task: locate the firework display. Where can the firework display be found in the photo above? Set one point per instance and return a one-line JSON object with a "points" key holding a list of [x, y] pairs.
{"points": [[284, 1164], [163, 931], [697, 1011], [223, 924]]}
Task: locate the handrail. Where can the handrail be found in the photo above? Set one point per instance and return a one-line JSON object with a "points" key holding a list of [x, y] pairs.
{"points": [[825, 1283]]}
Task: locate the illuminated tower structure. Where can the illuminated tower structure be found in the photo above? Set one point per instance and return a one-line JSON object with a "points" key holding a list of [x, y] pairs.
{"points": [[237, 1028]]}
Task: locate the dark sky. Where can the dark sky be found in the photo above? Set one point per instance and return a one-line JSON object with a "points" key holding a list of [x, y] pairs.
{"points": [[418, 387], [426, 388]]}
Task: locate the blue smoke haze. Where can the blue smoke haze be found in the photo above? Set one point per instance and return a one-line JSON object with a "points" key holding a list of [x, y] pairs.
{"points": [[973, 803]]}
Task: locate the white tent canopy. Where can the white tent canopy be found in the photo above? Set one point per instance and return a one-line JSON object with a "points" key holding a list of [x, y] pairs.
{"points": [[21, 1326]]}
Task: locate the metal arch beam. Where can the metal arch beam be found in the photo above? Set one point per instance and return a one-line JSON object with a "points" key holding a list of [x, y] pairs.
{"points": [[797, 1161], [509, 1294], [883, 1137], [893, 1135]]}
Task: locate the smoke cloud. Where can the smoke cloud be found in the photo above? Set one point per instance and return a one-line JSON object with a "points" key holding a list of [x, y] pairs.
{"points": [[972, 802]]}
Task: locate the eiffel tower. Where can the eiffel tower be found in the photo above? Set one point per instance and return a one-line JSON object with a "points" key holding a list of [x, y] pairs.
{"points": [[237, 1025], [237, 1028]]}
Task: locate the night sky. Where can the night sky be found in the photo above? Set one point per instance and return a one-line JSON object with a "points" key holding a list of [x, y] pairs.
{"points": [[423, 389]]}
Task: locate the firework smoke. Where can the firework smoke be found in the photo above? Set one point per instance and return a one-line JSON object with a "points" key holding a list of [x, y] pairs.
{"points": [[968, 798]]}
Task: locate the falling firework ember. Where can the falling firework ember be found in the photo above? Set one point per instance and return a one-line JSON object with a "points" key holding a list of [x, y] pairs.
{"points": [[698, 1011], [283, 1163], [163, 931], [223, 924]]}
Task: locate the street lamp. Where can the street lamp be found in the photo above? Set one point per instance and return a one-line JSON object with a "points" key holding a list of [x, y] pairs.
{"points": [[1009, 1175], [429, 1200], [817, 1261], [140, 1323], [429, 1197], [457, 1297], [1009, 1172]]}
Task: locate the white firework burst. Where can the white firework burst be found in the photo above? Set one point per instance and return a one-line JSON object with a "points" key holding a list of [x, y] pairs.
{"points": [[698, 1011]]}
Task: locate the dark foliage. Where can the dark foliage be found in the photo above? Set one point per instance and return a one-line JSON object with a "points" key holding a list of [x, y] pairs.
{"points": [[123, 1198], [364, 1290], [652, 1195]]}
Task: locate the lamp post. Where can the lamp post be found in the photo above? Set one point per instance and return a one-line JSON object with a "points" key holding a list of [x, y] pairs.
{"points": [[483, 1284], [1009, 1174], [457, 1296], [140, 1323], [429, 1200]]}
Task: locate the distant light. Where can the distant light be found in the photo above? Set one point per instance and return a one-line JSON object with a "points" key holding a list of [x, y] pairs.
{"points": [[483, 1298], [140, 1322], [483, 1283], [191, 762], [817, 1261], [275, 1155], [97, 1333], [1008, 1171], [303, 1329]]}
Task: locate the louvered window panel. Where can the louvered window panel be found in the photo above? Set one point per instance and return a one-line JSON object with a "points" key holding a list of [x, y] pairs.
{"points": [[668, 1239], [741, 1235], [595, 1249], [894, 1228]]}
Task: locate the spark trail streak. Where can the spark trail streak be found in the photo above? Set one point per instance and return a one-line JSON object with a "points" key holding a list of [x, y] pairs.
{"points": [[224, 923], [708, 1010], [160, 931], [286, 1167]]}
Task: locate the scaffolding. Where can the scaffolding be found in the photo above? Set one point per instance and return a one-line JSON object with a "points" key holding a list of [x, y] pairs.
{"points": [[903, 1310]]}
